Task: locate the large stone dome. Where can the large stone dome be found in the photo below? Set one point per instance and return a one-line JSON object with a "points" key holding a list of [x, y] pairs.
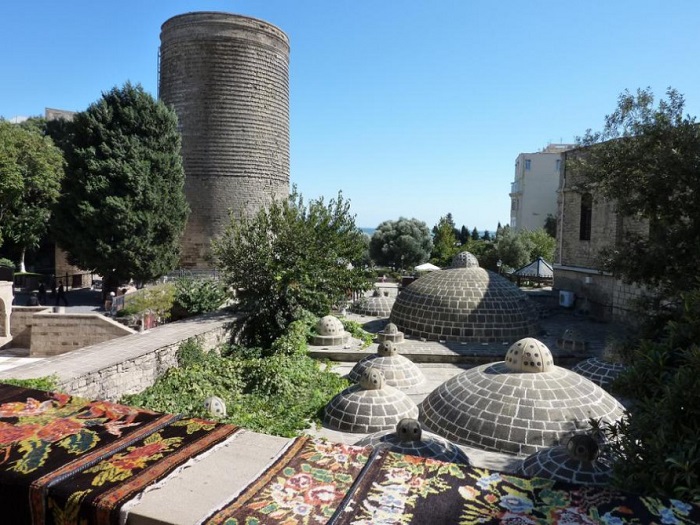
{"points": [[399, 371], [464, 303], [517, 409]]}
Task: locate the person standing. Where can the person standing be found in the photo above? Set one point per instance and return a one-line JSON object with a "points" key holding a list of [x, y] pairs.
{"points": [[42, 293], [61, 294]]}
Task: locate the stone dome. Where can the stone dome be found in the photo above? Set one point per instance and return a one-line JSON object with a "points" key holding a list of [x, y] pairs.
{"points": [[529, 355], [496, 408], [330, 332], [376, 306], [399, 371], [465, 260], [409, 438], [390, 333], [465, 303], [369, 406], [601, 372], [578, 462]]}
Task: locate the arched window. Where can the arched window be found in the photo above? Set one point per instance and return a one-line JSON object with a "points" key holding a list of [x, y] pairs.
{"points": [[584, 231]]}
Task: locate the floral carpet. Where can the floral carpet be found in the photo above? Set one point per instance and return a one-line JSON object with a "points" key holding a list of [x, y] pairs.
{"points": [[314, 482], [66, 460]]}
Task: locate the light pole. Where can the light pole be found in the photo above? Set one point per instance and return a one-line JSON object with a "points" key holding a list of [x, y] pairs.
{"points": [[499, 263]]}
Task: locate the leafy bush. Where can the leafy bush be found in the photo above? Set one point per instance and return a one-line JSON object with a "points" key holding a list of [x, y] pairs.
{"points": [[158, 299], [656, 444], [48, 383], [198, 296], [275, 394], [6, 262], [355, 329]]}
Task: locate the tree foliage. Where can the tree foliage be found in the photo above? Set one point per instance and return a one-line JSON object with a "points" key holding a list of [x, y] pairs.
{"points": [[653, 456], [646, 160], [444, 241], [517, 248], [288, 259], [123, 209], [401, 244], [31, 169]]}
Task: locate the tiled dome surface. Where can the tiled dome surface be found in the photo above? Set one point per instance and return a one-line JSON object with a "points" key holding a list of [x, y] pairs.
{"points": [[464, 304], [429, 446], [360, 410], [379, 306], [556, 463], [600, 372], [493, 408], [399, 371]]}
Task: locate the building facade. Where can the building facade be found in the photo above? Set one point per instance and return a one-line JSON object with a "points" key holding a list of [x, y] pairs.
{"points": [[586, 224], [533, 193]]}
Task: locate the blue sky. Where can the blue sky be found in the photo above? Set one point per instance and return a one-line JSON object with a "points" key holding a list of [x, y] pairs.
{"points": [[411, 108]]}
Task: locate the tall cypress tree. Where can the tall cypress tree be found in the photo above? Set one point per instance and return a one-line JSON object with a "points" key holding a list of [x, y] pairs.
{"points": [[123, 208]]}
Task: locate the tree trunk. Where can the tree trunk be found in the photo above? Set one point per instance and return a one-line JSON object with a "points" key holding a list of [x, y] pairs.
{"points": [[22, 268]]}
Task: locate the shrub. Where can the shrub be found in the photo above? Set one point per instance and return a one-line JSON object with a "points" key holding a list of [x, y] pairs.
{"points": [[157, 299], [198, 296], [48, 383], [355, 329]]}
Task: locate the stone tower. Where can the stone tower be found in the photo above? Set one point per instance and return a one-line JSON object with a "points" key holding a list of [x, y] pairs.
{"points": [[227, 77]]}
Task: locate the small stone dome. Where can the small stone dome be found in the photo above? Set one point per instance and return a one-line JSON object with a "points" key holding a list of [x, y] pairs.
{"points": [[359, 409], [386, 349], [330, 332], [529, 355], [465, 304], [215, 406], [465, 260], [578, 462], [409, 438], [601, 372], [378, 305], [398, 371], [494, 407], [571, 339], [390, 333]]}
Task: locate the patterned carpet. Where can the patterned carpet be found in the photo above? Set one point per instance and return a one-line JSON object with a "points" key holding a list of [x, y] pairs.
{"points": [[316, 483], [67, 460]]}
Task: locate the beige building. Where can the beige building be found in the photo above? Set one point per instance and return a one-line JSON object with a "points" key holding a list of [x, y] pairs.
{"points": [[533, 192], [587, 223]]}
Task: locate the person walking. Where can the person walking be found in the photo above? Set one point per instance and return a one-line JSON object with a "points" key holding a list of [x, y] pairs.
{"points": [[61, 294]]}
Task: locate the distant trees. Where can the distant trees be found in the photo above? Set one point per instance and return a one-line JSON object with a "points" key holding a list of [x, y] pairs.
{"points": [[122, 209], [31, 169], [401, 244], [291, 258], [516, 248]]}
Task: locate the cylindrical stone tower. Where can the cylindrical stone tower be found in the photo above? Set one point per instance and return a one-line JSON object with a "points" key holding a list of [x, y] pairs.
{"points": [[227, 77]]}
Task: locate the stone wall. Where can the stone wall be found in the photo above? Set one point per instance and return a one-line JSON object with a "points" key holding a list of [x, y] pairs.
{"points": [[21, 322], [599, 295], [53, 334], [227, 77], [135, 374]]}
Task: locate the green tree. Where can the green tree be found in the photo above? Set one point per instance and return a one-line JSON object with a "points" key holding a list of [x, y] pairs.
{"points": [[289, 259], [542, 244], [475, 234], [31, 169], [464, 235], [123, 208], [486, 236], [646, 160], [514, 248], [444, 241], [401, 244]]}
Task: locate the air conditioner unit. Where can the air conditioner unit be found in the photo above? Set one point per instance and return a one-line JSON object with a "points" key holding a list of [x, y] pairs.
{"points": [[566, 298], [588, 279]]}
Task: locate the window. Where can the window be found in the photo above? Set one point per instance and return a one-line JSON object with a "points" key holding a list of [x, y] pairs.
{"points": [[558, 167], [584, 232], [527, 164]]}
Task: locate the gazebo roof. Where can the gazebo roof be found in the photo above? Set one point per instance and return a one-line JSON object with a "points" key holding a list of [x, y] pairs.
{"points": [[538, 268]]}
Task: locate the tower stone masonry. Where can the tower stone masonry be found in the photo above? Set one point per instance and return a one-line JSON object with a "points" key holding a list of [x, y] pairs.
{"points": [[227, 77]]}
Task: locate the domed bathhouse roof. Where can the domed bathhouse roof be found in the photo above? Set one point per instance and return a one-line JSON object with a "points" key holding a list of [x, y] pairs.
{"points": [[409, 438], [601, 372], [379, 305], [399, 371], [390, 333], [516, 406], [369, 406], [464, 303], [576, 462], [330, 332]]}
